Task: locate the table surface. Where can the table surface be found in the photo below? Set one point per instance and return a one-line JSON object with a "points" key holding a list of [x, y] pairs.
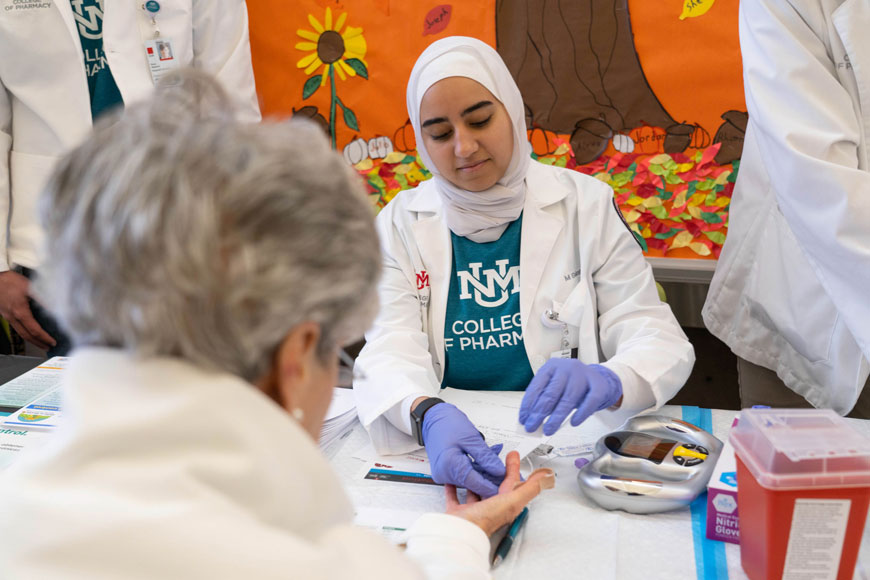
{"points": [[12, 366], [568, 536]]}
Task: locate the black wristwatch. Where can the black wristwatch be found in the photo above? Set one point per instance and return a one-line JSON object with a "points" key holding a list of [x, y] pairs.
{"points": [[417, 416]]}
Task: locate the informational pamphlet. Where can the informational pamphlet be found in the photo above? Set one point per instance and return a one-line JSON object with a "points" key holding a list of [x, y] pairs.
{"points": [[31, 385], [44, 412], [15, 440]]}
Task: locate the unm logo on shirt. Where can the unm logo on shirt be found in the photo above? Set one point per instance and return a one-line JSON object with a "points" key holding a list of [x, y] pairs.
{"points": [[89, 19], [500, 283]]}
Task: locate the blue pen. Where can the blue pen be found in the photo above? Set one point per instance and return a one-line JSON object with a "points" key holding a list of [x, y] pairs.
{"points": [[504, 546]]}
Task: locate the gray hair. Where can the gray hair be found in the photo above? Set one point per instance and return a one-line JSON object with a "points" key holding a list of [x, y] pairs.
{"points": [[176, 230]]}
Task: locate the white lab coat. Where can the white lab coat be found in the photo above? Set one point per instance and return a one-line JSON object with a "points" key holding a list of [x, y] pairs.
{"points": [[44, 100], [791, 290], [163, 470], [577, 258]]}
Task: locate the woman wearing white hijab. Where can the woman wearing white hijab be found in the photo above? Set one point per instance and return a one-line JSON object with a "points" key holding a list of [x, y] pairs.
{"points": [[504, 274]]}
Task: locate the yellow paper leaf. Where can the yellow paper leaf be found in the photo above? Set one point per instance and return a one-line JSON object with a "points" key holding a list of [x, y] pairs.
{"points": [[416, 175], [700, 249], [402, 169], [603, 176], [695, 8], [365, 164], [680, 200], [634, 201], [721, 202], [631, 216], [695, 212], [661, 158], [697, 199], [394, 157], [722, 178], [561, 149], [684, 167], [652, 202], [646, 233], [681, 240]]}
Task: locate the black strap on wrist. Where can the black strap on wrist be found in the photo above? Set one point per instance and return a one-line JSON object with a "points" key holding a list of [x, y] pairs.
{"points": [[417, 416]]}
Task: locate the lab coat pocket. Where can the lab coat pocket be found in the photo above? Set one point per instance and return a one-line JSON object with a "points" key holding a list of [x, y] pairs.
{"points": [[577, 313], [783, 293]]}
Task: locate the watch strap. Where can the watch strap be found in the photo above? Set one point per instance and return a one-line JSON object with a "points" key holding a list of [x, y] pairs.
{"points": [[417, 416]]}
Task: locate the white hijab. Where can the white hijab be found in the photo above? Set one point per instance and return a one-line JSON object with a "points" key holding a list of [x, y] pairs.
{"points": [[481, 216]]}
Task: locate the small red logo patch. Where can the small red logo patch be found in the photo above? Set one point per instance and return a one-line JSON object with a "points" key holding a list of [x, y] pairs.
{"points": [[422, 280]]}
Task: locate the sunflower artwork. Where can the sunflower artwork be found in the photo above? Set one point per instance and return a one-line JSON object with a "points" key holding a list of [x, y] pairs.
{"points": [[338, 52]]}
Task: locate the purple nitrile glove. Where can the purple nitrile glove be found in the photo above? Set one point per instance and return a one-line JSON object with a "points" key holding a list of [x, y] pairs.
{"points": [[563, 385], [457, 452]]}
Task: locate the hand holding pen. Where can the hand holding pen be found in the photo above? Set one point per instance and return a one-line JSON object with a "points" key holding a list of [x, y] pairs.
{"points": [[501, 509]]}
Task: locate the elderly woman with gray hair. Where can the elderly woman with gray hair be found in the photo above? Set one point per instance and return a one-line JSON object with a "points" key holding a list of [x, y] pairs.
{"points": [[208, 272]]}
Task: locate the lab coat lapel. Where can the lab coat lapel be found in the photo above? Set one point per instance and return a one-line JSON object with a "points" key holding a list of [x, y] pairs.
{"points": [[540, 231], [66, 13], [433, 240]]}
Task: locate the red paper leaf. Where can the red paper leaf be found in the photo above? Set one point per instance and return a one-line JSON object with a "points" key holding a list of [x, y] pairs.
{"points": [[646, 190], [437, 19]]}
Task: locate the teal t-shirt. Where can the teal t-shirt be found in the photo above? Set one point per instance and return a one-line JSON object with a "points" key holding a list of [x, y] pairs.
{"points": [[104, 92], [483, 335]]}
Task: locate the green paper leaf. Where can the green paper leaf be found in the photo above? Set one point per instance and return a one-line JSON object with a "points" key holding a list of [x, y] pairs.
{"points": [[350, 118], [711, 198], [641, 241], [358, 66], [710, 218], [669, 234], [716, 237], [659, 211], [311, 86]]}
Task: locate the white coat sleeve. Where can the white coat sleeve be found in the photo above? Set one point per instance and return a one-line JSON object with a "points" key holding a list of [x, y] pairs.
{"points": [[639, 335], [222, 46], [5, 178], [809, 137], [396, 360]]}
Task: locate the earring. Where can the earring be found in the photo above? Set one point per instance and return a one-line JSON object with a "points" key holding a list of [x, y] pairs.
{"points": [[298, 414]]}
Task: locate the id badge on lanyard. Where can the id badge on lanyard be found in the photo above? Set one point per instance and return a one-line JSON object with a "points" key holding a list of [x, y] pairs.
{"points": [[158, 50]]}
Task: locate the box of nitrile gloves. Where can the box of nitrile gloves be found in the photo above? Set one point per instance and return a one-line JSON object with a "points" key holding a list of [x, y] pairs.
{"points": [[722, 522]]}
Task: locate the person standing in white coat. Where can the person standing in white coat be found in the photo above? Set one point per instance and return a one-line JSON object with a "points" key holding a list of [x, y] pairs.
{"points": [[65, 63], [193, 259], [503, 273], [790, 291]]}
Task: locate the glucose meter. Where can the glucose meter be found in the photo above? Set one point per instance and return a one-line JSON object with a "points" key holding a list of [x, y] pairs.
{"points": [[651, 464]]}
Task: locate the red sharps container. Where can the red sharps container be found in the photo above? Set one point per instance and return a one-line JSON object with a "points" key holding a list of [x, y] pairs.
{"points": [[803, 487]]}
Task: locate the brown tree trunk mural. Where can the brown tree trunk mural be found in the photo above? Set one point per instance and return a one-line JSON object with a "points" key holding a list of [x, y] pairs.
{"points": [[577, 68]]}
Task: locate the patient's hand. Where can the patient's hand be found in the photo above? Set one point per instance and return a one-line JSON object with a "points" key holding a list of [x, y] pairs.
{"points": [[501, 509]]}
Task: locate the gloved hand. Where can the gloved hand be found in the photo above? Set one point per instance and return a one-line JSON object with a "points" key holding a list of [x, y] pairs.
{"points": [[563, 385], [457, 452]]}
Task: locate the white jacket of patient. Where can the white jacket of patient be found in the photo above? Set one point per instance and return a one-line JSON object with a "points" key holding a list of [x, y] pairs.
{"points": [[163, 470]]}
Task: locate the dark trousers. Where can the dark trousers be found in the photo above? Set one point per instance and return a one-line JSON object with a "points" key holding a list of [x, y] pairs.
{"points": [[47, 321]]}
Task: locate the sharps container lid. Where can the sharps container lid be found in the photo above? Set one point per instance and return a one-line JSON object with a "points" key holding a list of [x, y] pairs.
{"points": [[801, 448]]}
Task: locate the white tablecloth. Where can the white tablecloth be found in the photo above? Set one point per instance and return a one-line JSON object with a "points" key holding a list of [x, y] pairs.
{"points": [[568, 536]]}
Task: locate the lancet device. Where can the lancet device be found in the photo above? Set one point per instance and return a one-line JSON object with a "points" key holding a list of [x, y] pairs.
{"points": [[651, 464]]}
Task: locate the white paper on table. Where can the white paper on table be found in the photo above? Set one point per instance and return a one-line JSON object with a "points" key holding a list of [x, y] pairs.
{"points": [[390, 523], [13, 441], [414, 462], [342, 402], [496, 415]]}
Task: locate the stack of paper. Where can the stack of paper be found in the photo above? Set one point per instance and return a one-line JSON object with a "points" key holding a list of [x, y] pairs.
{"points": [[340, 418]]}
